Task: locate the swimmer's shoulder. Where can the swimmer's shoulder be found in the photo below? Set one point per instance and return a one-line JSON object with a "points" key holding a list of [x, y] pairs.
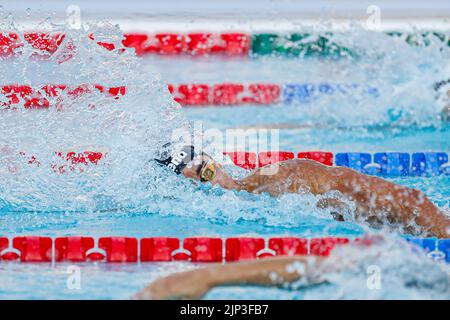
{"points": [[303, 164], [310, 169], [290, 167]]}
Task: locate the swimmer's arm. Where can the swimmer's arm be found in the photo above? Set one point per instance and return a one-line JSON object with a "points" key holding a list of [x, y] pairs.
{"points": [[277, 179], [379, 200], [195, 284]]}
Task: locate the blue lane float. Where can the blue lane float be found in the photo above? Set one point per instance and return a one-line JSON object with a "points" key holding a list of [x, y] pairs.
{"points": [[430, 164], [393, 164], [396, 164], [444, 246], [306, 92], [356, 161], [436, 249]]}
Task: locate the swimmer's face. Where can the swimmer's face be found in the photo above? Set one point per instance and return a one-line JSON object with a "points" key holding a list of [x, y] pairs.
{"points": [[194, 167]]}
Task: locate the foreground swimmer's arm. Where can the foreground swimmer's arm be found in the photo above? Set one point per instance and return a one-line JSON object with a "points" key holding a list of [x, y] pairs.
{"points": [[378, 202], [195, 284]]}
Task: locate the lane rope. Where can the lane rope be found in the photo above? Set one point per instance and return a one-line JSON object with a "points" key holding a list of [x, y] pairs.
{"points": [[383, 164], [236, 44], [198, 94], [193, 249]]}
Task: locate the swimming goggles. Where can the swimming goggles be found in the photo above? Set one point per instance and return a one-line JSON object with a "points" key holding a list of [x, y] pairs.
{"points": [[207, 171]]}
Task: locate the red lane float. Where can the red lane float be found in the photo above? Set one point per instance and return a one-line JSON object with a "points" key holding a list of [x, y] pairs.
{"points": [[230, 44], [226, 94], [191, 95], [266, 158], [158, 248], [119, 249], [45, 45], [34, 249], [131, 250], [45, 42], [72, 249], [248, 161], [243, 248], [319, 156], [288, 246], [199, 249], [204, 249], [323, 246], [40, 97]]}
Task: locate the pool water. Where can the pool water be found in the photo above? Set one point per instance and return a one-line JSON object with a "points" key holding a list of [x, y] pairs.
{"points": [[124, 199]]}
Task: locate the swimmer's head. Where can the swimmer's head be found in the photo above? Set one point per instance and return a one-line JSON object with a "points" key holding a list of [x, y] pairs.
{"points": [[202, 168], [186, 161]]}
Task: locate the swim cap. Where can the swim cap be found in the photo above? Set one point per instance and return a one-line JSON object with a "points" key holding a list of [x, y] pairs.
{"points": [[178, 161]]}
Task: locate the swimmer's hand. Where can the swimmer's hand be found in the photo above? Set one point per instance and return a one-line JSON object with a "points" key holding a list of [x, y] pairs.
{"points": [[191, 285], [274, 271]]}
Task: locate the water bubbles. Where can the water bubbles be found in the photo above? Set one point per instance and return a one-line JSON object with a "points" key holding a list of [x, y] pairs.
{"points": [[400, 269], [128, 128]]}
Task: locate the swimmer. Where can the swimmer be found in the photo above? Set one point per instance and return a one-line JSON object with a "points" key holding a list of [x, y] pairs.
{"points": [[297, 272], [378, 202], [196, 283]]}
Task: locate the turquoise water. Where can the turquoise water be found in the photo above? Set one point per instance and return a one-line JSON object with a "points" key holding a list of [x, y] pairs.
{"points": [[126, 197], [116, 281]]}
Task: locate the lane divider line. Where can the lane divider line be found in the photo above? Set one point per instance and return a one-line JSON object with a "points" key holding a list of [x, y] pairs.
{"points": [[49, 95], [194, 249], [385, 164], [196, 94], [236, 44]]}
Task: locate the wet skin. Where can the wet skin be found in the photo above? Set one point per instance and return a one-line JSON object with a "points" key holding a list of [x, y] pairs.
{"points": [[294, 272], [196, 283], [378, 202]]}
